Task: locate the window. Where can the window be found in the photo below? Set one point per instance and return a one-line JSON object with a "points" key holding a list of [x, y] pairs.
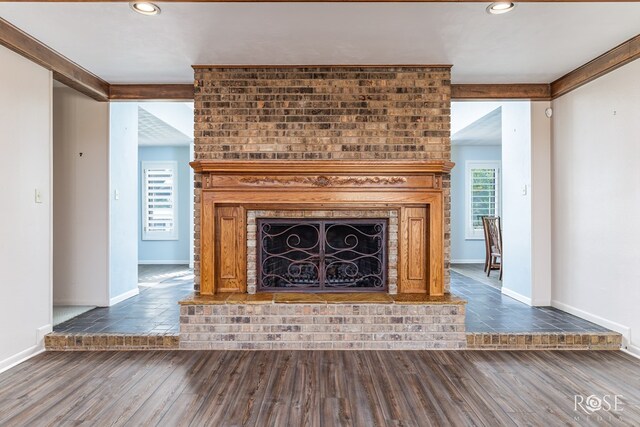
{"points": [[159, 201], [482, 184]]}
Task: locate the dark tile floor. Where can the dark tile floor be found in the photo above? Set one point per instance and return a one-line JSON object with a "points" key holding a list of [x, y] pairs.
{"points": [[155, 311], [488, 310], [476, 272]]}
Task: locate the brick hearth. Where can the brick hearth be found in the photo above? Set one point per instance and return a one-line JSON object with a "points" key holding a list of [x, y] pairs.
{"points": [[322, 321]]}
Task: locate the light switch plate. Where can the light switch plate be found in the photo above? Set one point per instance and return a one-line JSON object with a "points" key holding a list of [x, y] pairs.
{"points": [[38, 196]]}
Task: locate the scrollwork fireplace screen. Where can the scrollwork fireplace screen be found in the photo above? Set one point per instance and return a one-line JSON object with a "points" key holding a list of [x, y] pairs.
{"points": [[322, 255]]}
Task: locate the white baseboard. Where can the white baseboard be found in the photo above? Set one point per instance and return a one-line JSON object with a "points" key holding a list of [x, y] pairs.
{"points": [[541, 303], [93, 303], [632, 350], [467, 261], [163, 261], [18, 358], [124, 296], [41, 332], [621, 329], [516, 296]]}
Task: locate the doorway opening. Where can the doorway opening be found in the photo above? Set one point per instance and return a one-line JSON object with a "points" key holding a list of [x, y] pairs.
{"points": [[476, 186], [165, 195], [123, 238]]}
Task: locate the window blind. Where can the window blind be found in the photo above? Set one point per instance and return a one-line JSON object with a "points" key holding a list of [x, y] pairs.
{"points": [[159, 192]]}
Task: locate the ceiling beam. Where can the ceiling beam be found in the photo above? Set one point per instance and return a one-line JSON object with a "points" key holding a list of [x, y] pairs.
{"points": [[603, 64], [156, 92], [73, 75], [177, 92], [64, 70], [533, 91]]}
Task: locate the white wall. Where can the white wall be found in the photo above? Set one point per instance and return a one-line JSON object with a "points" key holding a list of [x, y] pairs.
{"points": [[465, 250], [167, 251], [191, 208], [123, 208], [25, 226], [540, 204], [596, 202], [516, 206], [81, 197]]}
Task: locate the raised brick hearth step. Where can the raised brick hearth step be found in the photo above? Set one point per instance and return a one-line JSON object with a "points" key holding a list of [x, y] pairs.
{"points": [[100, 342], [329, 321], [544, 341], [322, 321], [475, 341]]}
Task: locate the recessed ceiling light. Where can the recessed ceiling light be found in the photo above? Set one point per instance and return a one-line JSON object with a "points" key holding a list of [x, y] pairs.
{"points": [[145, 7], [499, 7]]}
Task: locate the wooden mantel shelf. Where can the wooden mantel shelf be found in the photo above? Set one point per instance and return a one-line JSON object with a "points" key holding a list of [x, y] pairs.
{"points": [[291, 167]]}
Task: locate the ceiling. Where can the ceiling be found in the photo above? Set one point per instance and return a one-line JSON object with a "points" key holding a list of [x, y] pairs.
{"points": [[535, 43], [487, 130], [153, 131], [464, 113]]}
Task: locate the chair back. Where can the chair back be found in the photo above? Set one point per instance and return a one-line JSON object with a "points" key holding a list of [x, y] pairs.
{"points": [[493, 233]]}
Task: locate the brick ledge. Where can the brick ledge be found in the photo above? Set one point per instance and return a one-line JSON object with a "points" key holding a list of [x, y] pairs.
{"points": [[544, 341], [100, 342]]}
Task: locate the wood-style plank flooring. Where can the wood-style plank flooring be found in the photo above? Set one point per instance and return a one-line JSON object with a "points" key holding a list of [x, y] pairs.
{"points": [[318, 388]]}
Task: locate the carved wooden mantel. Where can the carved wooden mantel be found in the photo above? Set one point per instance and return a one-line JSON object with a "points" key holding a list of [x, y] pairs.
{"points": [[230, 188]]}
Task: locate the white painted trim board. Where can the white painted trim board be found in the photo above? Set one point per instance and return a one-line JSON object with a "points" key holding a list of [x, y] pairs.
{"points": [[124, 296], [594, 318], [516, 296], [163, 261]]}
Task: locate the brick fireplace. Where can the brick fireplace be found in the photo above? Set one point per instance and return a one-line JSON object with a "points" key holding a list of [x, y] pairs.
{"points": [[325, 149], [333, 115]]}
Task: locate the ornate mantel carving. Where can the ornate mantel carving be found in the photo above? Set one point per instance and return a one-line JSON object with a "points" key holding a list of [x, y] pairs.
{"points": [[322, 174], [325, 181], [231, 188]]}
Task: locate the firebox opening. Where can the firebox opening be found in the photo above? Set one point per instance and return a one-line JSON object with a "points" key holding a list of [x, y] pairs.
{"points": [[316, 255]]}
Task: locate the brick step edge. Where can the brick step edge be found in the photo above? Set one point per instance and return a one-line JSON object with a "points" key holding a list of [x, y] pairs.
{"points": [[97, 342], [544, 341]]}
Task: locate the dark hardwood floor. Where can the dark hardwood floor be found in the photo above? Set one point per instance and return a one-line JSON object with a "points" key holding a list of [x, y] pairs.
{"points": [[318, 388]]}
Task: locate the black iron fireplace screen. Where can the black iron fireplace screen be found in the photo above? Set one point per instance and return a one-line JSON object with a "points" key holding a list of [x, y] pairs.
{"points": [[322, 255]]}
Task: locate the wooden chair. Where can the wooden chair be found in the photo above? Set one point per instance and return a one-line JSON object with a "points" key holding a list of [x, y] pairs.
{"points": [[493, 244], [487, 247]]}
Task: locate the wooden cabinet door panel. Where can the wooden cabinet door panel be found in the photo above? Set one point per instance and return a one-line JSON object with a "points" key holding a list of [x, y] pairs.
{"points": [[414, 230], [230, 246]]}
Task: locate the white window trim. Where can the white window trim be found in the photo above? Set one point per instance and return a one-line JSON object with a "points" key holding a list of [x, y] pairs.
{"points": [[143, 193], [470, 233]]}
